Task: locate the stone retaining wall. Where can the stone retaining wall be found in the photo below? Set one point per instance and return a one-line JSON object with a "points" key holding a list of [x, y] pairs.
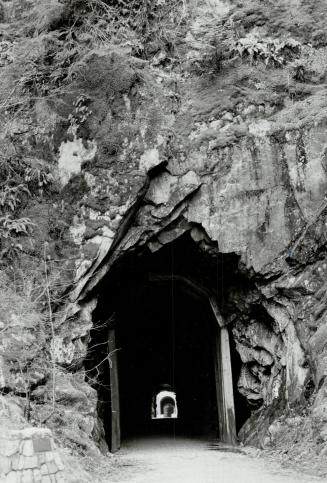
{"points": [[29, 456]]}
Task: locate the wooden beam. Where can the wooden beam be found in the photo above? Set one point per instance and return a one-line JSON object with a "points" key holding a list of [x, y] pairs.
{"points": [[229, 431], [194, 286], [114, 392], [111, 322], [214, 305], [218, 386], [223, 379]]}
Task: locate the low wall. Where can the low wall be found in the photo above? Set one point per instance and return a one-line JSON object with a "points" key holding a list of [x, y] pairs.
{"points": [[29, 456]]}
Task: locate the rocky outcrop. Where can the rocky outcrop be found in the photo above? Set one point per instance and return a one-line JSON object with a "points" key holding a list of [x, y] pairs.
{"points": [[263, 359], [74, 416]]}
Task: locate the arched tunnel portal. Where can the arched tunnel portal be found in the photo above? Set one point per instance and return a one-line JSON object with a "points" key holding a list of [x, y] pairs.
{"points": [[160, 317]]}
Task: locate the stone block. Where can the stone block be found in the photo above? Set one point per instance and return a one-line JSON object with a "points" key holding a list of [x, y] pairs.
{"points": [[37, 475], [49, 456], [30, 462], [44, 469], [41, 458], [12, 477], [17, 462], [3, 442], [27, 449], [21, 463], [52, 467], [5, 465], [27, 476], [60, 477], [58, 461], [11, 447], [46, 479]]}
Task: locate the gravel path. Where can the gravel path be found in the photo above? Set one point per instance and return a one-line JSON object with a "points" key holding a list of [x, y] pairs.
{"points": [[160, 460]]}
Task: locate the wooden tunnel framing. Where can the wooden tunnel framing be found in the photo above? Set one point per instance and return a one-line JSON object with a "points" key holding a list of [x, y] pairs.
{"points": [[222, 371]]}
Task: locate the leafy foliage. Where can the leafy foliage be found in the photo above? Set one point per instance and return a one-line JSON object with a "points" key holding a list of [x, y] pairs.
{"points": [[9, 229], [11, 196], [80, 114], [20, 182], [274, 52], [17, 226], [23, 331], [47, 63], [37, 179]]}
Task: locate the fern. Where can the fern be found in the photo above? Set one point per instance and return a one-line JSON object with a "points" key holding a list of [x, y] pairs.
{"points": [[271, 51], [11, 196], [21, 183], [10, 226]]}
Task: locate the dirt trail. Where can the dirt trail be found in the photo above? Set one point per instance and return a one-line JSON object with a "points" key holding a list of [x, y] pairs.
{"points": [[160, 460]]}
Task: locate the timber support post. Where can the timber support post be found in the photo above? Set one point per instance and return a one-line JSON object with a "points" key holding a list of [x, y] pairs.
{"points": [[224, 380], [114, 391]]}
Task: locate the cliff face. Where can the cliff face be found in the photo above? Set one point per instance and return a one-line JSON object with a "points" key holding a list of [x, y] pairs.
{"points": [[216, 129]]}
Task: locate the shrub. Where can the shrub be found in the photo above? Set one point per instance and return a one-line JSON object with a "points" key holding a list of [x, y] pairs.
{"points": [[274, 52], [20, 182], [23, 334], [49, 15]]}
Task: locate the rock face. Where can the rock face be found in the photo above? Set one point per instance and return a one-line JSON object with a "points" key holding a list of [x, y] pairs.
{"points": [[75, 418], [261, 373], [234, 158]]}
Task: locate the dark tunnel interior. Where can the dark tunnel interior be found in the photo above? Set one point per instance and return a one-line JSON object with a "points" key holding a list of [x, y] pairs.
{"points": [[164, 335], [164, 338]]}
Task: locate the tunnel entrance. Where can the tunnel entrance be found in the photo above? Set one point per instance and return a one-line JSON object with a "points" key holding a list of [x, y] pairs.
{"points": [[165, 338], [161, 326]]}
